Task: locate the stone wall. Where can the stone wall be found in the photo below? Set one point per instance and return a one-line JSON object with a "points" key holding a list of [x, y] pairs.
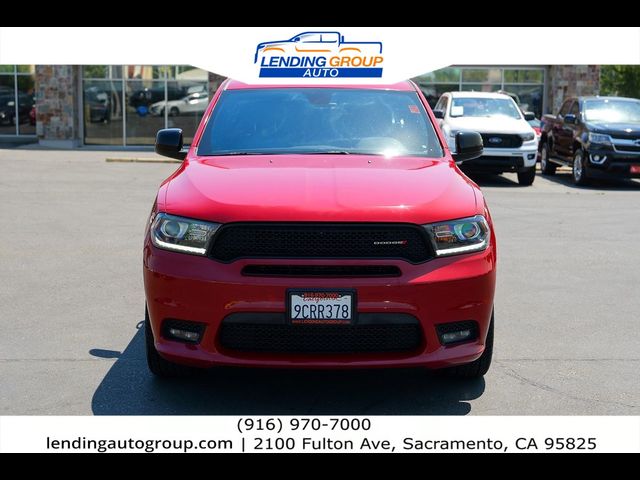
{"points": [[571, 80], [57, 105]]}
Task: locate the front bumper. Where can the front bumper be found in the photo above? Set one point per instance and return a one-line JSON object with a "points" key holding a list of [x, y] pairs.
{"points": [[617, 164], [498, 160], [199, 289]]}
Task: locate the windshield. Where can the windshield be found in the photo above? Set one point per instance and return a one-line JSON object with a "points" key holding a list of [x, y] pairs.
{"points": [[319, 121], [484, 107], [612, 111]]}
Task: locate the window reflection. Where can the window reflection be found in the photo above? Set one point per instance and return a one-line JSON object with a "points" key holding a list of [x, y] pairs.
{"points": [[7, 105], [142, 125], [525, 84], [480, 87], [187, 112], [524, 76], [530, 97], [26, 104], [103, 111], [432, 92], [154, 97], [482, 75]]}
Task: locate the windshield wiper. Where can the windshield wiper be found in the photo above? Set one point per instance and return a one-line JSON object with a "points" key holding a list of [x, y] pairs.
{"points": [[284, 152], [239, 153], [328, 152]]}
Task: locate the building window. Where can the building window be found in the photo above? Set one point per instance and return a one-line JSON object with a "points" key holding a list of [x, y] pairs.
{"points": [[524, 84], [127, 105], [17, 100]]}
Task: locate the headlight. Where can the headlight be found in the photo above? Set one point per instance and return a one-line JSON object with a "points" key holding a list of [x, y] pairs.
{"points": [[459, 236], [182, 234], [527, 137], [600, 139]]}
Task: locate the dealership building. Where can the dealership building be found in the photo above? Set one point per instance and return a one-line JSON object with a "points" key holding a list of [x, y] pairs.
{"points": [[68, 106]]}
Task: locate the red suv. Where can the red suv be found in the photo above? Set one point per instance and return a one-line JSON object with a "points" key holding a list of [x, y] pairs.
{"points": [[319, 227]]}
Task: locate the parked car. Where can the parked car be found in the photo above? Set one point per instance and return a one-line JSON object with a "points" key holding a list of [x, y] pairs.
{"points": [[8, 108], [536, 125], [194, 104], [148, 96], [595, 136], [510, 144], [319, 227]]}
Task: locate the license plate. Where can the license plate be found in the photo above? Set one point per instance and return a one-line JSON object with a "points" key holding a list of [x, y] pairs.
{"points": [[635, 168], [321, 307]]}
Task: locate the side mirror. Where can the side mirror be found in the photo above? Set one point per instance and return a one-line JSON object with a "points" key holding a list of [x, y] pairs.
{"points": [[529, 116], [438, 114], [468, 146], [570, 118], [169, 143]]}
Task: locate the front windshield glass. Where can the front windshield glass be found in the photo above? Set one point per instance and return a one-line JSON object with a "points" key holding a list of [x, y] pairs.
{"points": [[319, 121], [612, 111], [484, 107]]}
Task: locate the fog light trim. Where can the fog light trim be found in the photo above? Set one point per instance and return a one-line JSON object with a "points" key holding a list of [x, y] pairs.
{"points": [[457, 332], [182, 331]]}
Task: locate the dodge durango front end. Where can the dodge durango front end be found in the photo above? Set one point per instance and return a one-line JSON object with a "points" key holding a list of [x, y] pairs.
{"points": [[319, 227]]}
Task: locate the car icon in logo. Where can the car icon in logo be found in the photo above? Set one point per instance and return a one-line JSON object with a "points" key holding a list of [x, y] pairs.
{"points": [[495, 140], [319, 54]]}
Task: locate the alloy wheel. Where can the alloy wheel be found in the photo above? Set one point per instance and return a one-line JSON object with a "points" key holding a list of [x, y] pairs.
{"points": [[578, 169]]}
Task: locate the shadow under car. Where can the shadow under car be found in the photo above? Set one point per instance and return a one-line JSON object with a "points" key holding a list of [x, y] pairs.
{"points": [[130, 389]]}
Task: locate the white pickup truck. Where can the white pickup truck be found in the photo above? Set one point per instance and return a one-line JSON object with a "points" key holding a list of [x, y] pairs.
{"points": [[510, 144]]}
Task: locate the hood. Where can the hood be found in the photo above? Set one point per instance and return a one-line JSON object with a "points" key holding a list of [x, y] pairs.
{"points": [[490, 124], [331, 188], [618, 130]]}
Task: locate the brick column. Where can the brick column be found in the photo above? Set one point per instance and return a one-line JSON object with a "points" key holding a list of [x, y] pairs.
{"points": [[57, 105], [570, 81]]}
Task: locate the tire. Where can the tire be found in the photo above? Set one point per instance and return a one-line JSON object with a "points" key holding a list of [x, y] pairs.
{"points": [[526, 177], [174, 112], [578, 170], [158, 365], [547, 167], [478, 368]]}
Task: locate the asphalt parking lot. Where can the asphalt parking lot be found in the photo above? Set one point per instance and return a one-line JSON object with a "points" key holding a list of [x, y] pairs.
{"points": [[567, 331]]}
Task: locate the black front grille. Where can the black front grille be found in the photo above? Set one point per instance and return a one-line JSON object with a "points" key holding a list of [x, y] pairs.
{"points": [[319, 339], [501, 140], [326, 271], [234, 241], [627, 148]]}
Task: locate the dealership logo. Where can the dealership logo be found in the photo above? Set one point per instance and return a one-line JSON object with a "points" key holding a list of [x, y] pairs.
{"points": [[319, 55], [495, 140]]}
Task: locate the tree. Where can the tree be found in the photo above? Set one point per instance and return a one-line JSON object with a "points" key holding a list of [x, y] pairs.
{"points": [[621, 80]]}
